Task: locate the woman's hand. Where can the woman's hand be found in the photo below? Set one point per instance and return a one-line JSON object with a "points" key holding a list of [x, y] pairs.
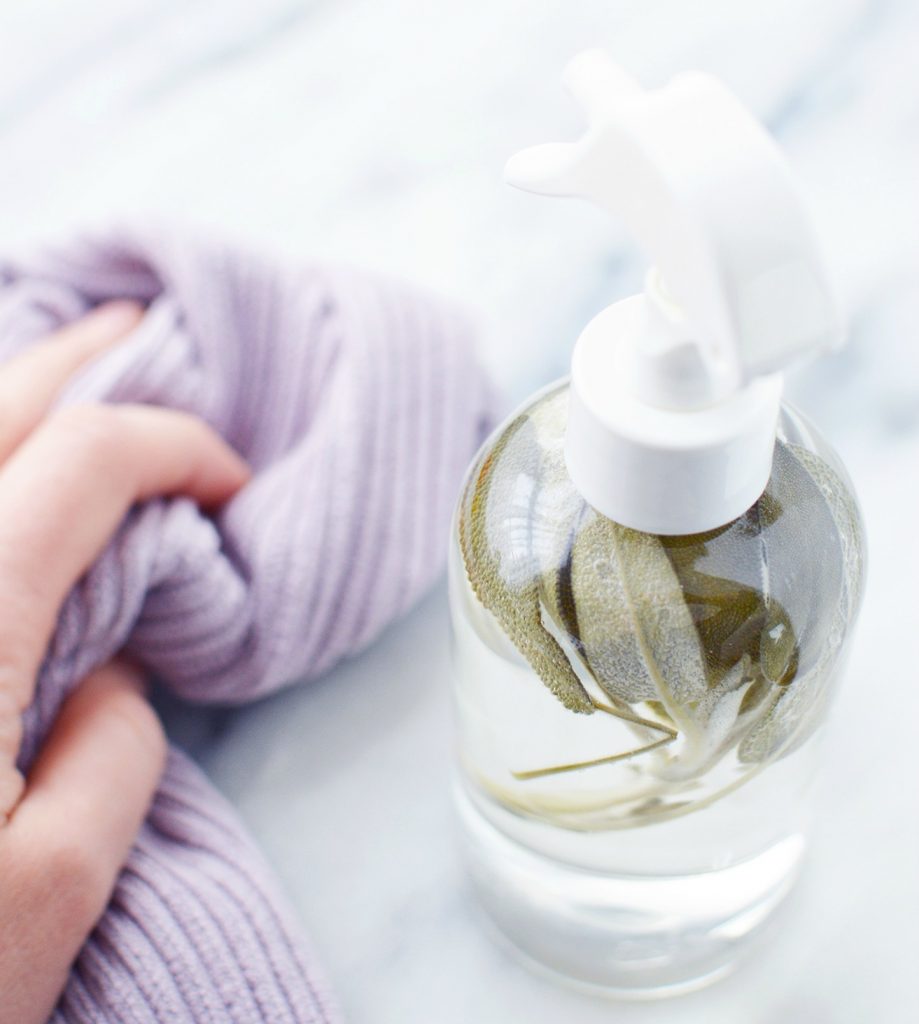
{"points": [[66, 480]]}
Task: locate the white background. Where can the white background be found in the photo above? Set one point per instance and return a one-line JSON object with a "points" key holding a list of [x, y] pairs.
{"points": [[376, 132]]}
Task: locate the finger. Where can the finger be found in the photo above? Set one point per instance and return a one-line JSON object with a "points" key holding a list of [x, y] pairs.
{"points": [[30, 381], [69, 837], [63, 493]]}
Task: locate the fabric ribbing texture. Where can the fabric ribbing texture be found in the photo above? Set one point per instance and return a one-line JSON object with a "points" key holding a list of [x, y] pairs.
{"points": [[358, 404]]}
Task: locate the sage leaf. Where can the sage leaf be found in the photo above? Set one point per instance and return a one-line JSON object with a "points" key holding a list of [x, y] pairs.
{"points": [[497, 533]]}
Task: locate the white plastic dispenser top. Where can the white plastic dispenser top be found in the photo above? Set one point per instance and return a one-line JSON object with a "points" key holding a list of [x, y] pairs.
{"points": [[675, 392]]}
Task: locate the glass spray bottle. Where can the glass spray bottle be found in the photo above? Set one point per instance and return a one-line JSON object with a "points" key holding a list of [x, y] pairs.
{"points": [[655, 566]]}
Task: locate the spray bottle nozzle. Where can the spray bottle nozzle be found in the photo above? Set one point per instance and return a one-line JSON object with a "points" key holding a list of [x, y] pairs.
{"points": [[675, 393], [709, 197]]}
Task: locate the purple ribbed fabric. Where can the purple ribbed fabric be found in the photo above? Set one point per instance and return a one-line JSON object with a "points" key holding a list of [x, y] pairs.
{"points": [[358, 404]]}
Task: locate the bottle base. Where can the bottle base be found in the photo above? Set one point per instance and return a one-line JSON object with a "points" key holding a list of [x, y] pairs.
{"points": [[624, 935]]}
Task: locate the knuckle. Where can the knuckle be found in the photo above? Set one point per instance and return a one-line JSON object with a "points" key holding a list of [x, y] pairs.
{"points": [[90, 431], [13, 412], [92, 442], [139, 723], [72, 876], [17, 659]]}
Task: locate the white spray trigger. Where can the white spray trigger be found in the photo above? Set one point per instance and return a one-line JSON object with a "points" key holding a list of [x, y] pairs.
{"points": [[709, 197]]}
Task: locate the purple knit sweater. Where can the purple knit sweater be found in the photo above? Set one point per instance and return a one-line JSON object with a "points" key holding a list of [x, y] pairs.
{"points": [[358, 404]]}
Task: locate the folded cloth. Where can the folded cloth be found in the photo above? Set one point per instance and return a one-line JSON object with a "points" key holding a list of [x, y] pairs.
{"points": [[358, 403]]}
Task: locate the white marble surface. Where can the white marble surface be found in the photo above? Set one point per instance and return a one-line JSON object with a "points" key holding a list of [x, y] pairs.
{"points": [[376, 132]]}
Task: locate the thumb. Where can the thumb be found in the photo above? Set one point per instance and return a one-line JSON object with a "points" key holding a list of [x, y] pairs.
{"points": [[67, 839], [98, 770]]}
